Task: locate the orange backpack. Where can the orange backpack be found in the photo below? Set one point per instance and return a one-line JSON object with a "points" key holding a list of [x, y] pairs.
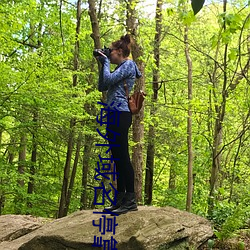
{"points": [[135, 101]]}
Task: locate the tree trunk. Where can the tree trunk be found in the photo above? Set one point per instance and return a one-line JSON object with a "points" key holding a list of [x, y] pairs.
{"points": [[151, 134], [11, 152], [85, 170], [96, 34], [66, 176], [172, 170], [88, 138], [33, 157], [189, 124], [22, 159], [19, 198], [35, 111], [137, 126], [217, 142], [1, 179], [64, 192], [94, 24], [9, 160], [77, 43], [148, 189], [2, 201], [73, 175], [172, 178]]}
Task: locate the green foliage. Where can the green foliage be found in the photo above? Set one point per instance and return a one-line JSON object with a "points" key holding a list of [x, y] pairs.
{"points": [[241, 245], [38, 80], [221, 212], [233, 222], [210, 244]]}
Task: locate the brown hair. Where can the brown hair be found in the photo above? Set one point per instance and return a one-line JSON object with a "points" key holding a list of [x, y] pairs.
{"points": [[124, 44]]}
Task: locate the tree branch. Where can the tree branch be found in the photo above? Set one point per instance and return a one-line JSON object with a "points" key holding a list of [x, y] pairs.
{"points": [[27, 44]]}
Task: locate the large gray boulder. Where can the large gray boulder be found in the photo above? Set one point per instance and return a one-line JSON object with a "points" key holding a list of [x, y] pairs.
{"points": [[15, 226], [150, 228]]}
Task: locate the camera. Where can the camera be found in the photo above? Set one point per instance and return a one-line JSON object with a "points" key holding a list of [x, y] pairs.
{"points": [[106, 51]]}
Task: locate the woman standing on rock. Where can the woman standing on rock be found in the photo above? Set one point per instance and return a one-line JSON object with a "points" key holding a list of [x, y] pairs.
{"points": [[125, 73]]}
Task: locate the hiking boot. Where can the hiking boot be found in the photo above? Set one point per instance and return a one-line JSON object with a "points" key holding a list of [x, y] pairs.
{"points": [[119, 198], [128, 204]]}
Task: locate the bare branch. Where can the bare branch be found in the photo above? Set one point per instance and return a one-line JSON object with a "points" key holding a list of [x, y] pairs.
{"points": [[60, 14], [239, 57], [28, 44]]}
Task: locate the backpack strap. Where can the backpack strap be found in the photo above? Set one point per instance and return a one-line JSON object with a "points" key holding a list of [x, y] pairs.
{"points": [[126, 88]]}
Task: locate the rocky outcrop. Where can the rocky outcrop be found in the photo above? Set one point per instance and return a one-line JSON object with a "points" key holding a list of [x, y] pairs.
{"points": [[147, 229], [15, 226]]}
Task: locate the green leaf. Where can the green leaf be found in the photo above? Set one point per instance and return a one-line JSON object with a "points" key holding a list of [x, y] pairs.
{"points": [[210, 244], [170, 11], [188, 17], [214, 40], [233, 54], [197, 5], [226, 36]]}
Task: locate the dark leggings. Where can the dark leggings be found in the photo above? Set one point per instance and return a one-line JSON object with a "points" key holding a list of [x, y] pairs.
{"points": [[125, 180]]}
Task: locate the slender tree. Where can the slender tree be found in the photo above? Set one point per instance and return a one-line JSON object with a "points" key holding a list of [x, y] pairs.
{"points": [[35, 111], [218, 127], [137, 126], [189, 123], [63, 208], [22, 159], [73, 173], [151, 134]]}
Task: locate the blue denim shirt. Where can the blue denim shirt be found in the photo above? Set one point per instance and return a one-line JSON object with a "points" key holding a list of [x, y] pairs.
{"points": [[114, 82]]}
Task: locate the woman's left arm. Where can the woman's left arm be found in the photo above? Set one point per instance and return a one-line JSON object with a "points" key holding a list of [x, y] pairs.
{"points": [[101, 85]]}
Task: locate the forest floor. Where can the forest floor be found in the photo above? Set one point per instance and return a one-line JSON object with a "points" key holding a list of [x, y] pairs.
{"points": [[241, 242]]}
